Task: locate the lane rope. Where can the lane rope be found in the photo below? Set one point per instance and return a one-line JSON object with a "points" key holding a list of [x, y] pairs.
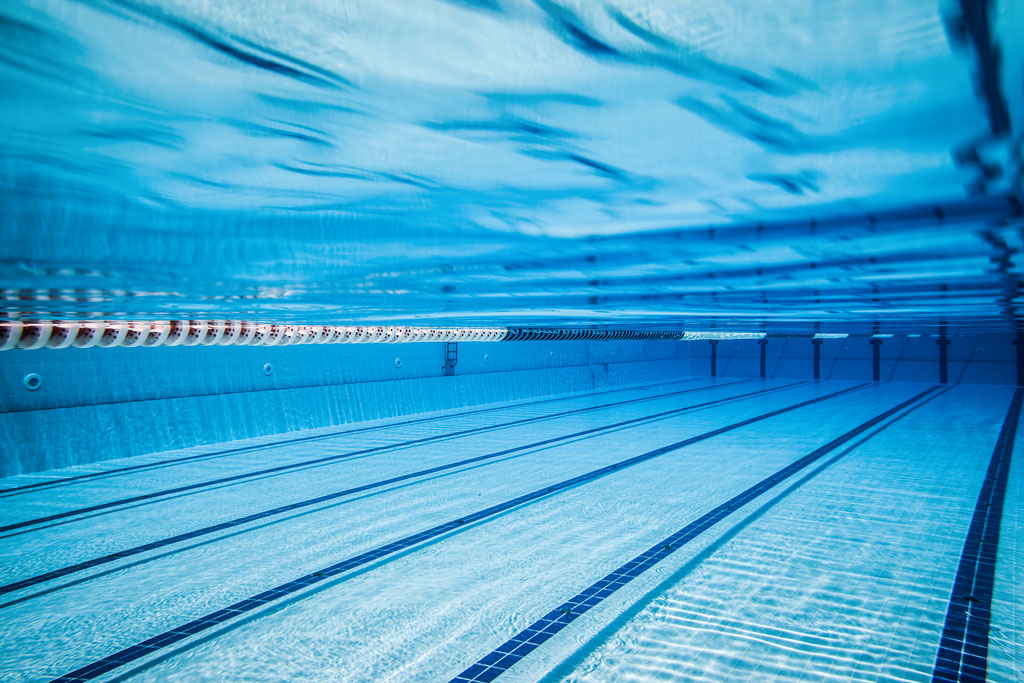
{"points": [[84, 334]]}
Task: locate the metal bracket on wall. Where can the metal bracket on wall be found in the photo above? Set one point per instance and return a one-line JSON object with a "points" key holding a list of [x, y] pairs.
{"points": [[816, 343], [451, 357], [876, 359], [764, 356], [1019, 343], [876, 354], [943, 342]]}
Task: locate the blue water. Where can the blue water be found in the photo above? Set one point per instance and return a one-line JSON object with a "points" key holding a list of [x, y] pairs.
{"points": [[742, 502], [839, 571], [511, 162]]}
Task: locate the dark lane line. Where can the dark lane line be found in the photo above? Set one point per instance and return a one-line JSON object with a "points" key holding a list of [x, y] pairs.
{"points": [[963, 646], [208, 621], [496, 662], [746, 518], [341, 456], [162, 543], [170, 462]]}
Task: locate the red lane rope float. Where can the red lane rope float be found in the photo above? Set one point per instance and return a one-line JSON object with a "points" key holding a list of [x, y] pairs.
{"points": [[64, 334], [83, 334]]}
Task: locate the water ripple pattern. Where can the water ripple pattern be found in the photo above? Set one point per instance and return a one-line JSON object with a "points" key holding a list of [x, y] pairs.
{"points": [[386, 162]]}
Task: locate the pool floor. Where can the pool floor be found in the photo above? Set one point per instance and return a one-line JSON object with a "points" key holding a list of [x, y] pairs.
{"points": [[699, 530]]}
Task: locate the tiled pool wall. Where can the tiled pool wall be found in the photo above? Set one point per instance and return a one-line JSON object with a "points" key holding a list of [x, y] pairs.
{"points": [[970, 359], [97, 404]]}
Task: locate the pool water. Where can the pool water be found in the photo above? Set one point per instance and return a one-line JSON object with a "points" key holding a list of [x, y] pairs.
{"points": [[705, 359], [412, 550], [507, 162]]}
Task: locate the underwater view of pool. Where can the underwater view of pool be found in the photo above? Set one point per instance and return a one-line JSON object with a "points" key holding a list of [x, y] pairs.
{"points": [[516, 340]]}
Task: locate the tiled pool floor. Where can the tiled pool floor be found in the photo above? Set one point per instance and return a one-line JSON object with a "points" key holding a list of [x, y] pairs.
{"points": [[699, 530]]}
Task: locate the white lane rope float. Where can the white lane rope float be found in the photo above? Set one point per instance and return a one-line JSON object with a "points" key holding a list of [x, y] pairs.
{"points": [[62, 334], [83, 334]]}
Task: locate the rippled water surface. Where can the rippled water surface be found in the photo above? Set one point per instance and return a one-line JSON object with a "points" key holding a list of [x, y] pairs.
{"points": [[502, 161]]}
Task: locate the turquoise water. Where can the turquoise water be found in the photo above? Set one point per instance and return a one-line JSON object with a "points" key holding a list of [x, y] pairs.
{"points": [[513, 163], [839, 571], [724, 497]]}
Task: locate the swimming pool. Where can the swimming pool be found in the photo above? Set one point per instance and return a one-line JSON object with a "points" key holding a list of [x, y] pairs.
{"points": [[696, 529], [515, 340]]}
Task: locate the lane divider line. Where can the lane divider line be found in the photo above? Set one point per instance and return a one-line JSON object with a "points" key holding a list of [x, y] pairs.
{"points": [[14, 490], [84, 334], [330, 458], [167, 638], [963, 645], [63, 334], [230, 524], [499, 660]]}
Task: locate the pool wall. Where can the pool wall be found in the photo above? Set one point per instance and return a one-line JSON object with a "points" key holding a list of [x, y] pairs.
{"points": [[184, 397], [970, 359], [175, 397]]}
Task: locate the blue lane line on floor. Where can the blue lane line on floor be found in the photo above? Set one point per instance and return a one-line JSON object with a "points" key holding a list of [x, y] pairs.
{"points": [[66, 481], [179, 633], [330, 458], [493, 664], [963, 646], [230, 524]]}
